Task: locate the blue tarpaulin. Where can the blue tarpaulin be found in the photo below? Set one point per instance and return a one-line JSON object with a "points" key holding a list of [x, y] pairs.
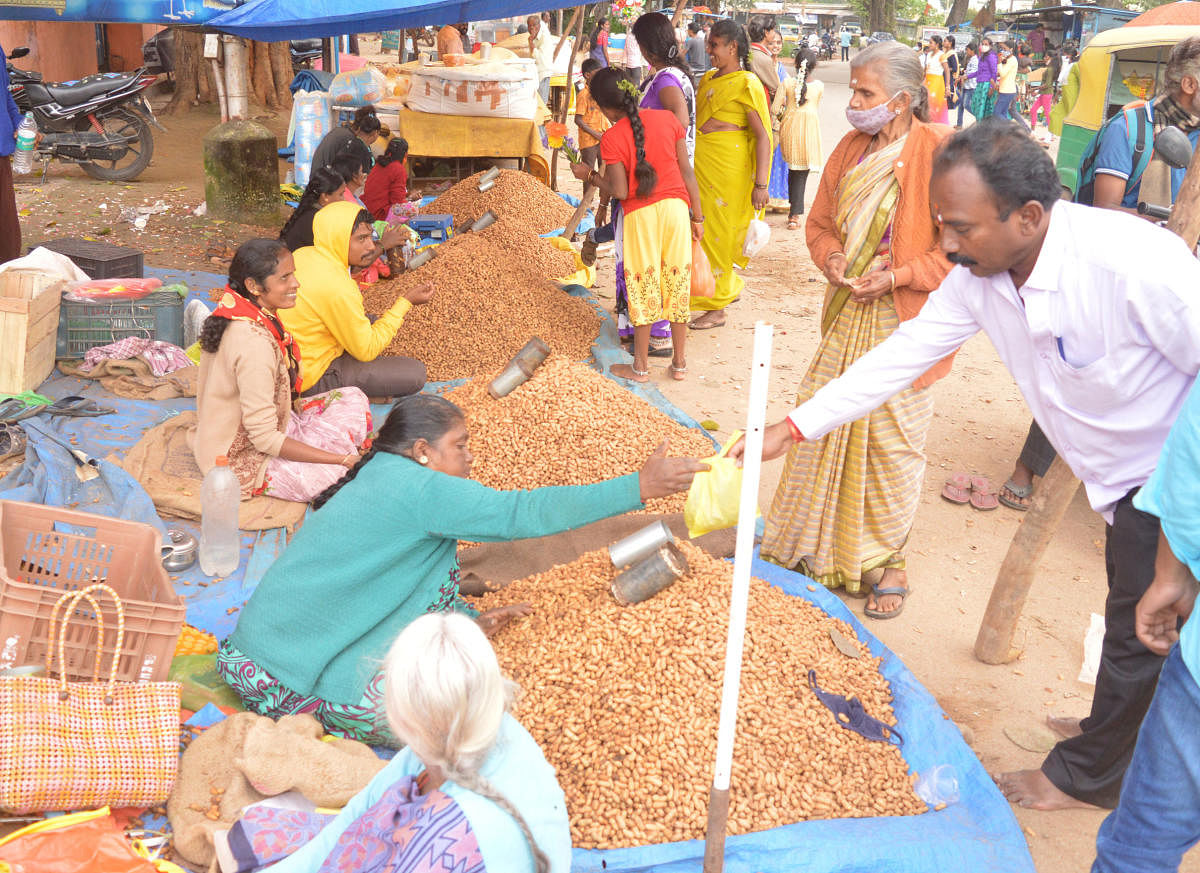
{"points": [[272, 20], [116, 11]]}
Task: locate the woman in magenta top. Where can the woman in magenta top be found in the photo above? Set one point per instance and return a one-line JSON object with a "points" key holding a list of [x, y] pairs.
{"points": [[647, 169], [387, 182]]}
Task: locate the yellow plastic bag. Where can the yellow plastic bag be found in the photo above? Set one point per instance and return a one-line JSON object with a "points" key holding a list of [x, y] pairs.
{"points": [[583, 275], [712, 501]]}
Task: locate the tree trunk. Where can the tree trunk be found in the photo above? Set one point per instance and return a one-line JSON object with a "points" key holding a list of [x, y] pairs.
{"points": [[281, 69], [262, 83], [191, 77], [958, 13]]}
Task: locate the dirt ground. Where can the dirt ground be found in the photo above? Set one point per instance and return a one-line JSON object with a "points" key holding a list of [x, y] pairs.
{"points": [[954, 552]]}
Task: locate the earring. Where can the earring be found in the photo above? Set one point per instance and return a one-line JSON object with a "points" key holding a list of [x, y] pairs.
{"points": [[422, 460]]}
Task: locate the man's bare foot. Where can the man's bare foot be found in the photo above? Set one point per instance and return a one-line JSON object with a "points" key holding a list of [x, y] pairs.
{"points": [[892, 578], [1065, 726], [1032, 790]]}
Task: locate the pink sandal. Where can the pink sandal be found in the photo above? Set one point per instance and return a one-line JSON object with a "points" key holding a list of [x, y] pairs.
{"points": [[957, 489]]}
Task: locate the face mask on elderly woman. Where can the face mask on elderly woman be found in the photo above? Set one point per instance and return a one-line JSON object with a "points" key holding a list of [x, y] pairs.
{"points": [[871, 121]]}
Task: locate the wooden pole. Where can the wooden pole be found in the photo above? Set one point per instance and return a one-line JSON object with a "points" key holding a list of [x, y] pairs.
{"points": [[680, 8], [1185, 215], [577, 21], [993, 644], [756, 420]]}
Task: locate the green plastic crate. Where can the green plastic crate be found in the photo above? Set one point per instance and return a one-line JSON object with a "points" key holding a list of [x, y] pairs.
{"points": [[84, 325]]}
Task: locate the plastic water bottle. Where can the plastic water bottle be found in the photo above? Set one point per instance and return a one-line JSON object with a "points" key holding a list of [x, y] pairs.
{"points": [[26, 136], [220, 496]]}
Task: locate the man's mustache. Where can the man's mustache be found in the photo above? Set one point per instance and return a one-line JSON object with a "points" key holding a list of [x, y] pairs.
{"points": [[961, 259]]}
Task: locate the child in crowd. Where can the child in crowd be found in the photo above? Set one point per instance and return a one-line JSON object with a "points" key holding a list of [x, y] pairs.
{"points": [[356, 177], [387, 183], [647, 169], [795, 106], [588, 117]]}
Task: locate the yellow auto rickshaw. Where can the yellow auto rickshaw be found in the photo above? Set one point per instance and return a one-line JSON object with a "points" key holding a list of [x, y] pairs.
{"points": [[1117, 68]]}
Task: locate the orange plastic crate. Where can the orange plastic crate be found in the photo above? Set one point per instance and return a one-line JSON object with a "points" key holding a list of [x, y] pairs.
{"points": [[46, 551]]}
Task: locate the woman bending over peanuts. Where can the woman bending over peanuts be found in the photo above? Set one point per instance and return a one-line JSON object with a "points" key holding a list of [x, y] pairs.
{"points": [[381, 550]]}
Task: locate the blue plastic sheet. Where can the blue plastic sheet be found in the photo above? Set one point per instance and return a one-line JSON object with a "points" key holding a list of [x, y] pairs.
{"points": [[48, 476], [978, 833]]}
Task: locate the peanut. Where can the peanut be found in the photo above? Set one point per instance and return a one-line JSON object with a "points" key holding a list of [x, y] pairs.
{"points": [[515, 193], [632, 733]]}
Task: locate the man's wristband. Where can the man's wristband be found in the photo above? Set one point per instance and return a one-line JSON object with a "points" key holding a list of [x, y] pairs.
{"points": [[797, 437]]}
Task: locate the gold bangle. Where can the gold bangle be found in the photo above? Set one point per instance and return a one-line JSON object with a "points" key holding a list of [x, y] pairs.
{"points": [[892, 273]]}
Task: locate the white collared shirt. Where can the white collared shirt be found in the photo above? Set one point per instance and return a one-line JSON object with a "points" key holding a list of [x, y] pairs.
{"points": [[1103, 340]]}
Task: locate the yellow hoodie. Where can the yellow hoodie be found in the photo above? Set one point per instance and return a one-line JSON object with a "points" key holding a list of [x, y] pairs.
{"points": [[328, 317]]}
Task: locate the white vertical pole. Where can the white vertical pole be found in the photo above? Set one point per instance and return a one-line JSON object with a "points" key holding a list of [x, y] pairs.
{"points": [[756, 415], [237, 88]]}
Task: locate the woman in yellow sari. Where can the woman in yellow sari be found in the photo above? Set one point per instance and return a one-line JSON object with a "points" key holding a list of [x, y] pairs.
{"points": [[845, 502], [733, 162]]}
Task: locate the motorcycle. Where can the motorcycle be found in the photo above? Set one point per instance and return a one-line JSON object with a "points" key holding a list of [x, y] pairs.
{"points": [[101, 122]]}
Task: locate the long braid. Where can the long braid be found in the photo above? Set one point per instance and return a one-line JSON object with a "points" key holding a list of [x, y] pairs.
{"points": [[476, 783], [323, 498], [643, 171]]}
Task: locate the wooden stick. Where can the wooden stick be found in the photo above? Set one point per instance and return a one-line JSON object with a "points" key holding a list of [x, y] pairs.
{"points": [[993, 644], [756, 422], [577, 21], [680, 8], [1185, 215]]}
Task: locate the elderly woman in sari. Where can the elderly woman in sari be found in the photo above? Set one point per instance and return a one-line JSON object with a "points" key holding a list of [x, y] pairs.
{"points": [[733, 162], [845, 502]]}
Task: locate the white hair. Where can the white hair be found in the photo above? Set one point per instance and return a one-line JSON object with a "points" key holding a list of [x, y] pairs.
{"points": [[899, 70], [446, 698]]}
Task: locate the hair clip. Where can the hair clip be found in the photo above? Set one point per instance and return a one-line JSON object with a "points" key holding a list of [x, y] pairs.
{"points": [[629, 88], [672, 53]]}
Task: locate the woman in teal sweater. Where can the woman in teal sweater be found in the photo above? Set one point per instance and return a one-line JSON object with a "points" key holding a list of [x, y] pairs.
{"points": [[382, 550]]}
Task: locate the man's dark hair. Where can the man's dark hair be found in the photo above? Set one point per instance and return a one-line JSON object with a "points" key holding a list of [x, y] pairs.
{"points": [[588, 65], [693, 28], [363, 217], [1014, 167]]}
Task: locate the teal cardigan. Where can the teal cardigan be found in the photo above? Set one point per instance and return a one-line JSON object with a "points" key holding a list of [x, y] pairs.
{"points": [[382, 552]]}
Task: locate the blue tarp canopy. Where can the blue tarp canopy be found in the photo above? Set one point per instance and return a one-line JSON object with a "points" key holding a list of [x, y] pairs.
{"points": [[274, 20], [116, 11]]}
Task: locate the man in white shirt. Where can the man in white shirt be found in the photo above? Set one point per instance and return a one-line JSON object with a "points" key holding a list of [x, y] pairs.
{"points": [[1096, 316], [635, 64], [541, 49]]}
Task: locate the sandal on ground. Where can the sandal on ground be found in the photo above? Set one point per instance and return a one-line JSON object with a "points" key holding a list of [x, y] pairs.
{"points": [[75, 406], [1022, 492], [957, 489], [677, 373], [793, 223], [700, 323], [879, 615], [587, 252], [634, 374], [983, 496], [12, 440]]}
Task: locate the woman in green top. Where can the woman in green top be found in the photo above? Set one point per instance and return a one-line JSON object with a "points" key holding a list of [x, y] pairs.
{"points": [[382, 550]]}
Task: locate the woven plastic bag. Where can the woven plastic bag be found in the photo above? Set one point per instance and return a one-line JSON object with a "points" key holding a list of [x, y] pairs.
{"points": [[75, 745], [716, 494], [703, 283], [758, 234]]}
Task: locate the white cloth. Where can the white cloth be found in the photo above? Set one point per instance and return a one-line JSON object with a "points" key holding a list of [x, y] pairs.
{"points": [[1103, 340], [932, 63], [543, 52], [1065, 72]]}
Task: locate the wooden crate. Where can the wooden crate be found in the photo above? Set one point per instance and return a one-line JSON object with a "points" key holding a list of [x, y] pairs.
{"points": [[29, 304]]}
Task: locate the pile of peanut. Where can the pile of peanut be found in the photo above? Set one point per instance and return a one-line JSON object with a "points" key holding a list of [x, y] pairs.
{"points": [[569, 425], [524, 246], [515, 194], [624, 702], [490, 298]]}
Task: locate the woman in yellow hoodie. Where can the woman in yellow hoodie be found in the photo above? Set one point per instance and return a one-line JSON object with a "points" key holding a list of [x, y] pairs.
{"points": [[339, 345]]}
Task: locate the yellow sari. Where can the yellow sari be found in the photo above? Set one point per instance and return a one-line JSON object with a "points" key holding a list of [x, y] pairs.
{"points": [[845, 502], [725, 167]]}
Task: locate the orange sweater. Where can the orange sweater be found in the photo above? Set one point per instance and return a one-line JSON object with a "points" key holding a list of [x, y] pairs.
{"points": [[917, 259]]}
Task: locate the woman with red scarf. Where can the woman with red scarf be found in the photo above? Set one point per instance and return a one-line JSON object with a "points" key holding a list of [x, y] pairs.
{"points": [[250, 383]]}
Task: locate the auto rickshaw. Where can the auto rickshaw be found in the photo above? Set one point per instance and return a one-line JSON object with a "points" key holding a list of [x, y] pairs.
{"points": [[1117, 68]]}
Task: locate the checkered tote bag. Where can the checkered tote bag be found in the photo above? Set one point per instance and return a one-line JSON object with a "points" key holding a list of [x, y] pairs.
{"points": [[79, 745]]}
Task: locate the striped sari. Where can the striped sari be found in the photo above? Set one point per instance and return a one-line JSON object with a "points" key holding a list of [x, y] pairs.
{"points": [[845, 502]]}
